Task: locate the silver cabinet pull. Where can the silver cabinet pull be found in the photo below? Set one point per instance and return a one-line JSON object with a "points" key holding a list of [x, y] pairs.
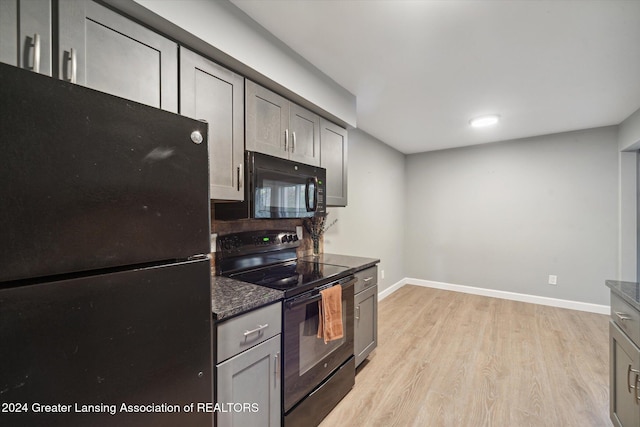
{"points": [[36, 53], [276, 367], [368, 279], [258, 329], [293, 142], [358, 311], [637, 387], [286, 139], [635, 384], [622, 316], [73, 59], [239, 176]]}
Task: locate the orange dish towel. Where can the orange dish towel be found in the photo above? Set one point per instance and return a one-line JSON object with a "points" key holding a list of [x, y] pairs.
{"points": [[330, 314]]}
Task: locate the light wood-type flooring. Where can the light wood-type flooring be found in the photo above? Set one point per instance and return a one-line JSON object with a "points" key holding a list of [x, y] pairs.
{"points": [[452, 359]]}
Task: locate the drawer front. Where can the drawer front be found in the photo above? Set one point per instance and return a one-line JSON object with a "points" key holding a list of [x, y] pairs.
{"points": [[366, 279], [243, 332], [626, 317]]}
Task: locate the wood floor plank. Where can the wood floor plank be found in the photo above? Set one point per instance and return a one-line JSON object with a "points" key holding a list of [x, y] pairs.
{"points": [[453, 359]]}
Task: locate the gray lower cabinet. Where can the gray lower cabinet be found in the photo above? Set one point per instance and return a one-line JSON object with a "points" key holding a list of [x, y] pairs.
{"points": [[25, 34], [248, 369], [215, 94], [280, 128], [365, 313], [103, 50], [333, 157], [624, 359]]}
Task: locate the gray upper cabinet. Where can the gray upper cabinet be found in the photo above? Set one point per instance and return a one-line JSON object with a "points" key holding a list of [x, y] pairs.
{"points": [[215, 94], [25, 34], [280, 128], [333, 146], [103, 50], [305, 136]]}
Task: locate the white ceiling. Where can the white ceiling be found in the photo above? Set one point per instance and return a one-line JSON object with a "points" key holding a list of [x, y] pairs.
{"points": [[422, 69]]}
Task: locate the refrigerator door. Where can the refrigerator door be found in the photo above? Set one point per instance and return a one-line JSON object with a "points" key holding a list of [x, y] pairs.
{"points": [[91, 181], [139, 337]]}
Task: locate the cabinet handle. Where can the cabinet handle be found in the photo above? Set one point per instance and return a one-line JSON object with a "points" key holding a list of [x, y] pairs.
{"points": [[622, 316], [239, 176], [368, 279], [637, 386], [629, 386], [276, 367], [73, 59], [286, 139], [36, 53], [293, 142], [358, 311], [258, 329]]}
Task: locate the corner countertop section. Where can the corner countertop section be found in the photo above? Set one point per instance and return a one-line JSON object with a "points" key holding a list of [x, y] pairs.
{"points": [[230, 297], [628, 291], [355, 262]]}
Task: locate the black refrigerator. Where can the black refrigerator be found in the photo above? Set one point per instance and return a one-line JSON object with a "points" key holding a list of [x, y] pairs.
{"points": [[105, 302]]}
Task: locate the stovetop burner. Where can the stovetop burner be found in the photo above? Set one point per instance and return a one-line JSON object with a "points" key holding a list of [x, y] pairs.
{"points": [[292, 277], [268, 258]]}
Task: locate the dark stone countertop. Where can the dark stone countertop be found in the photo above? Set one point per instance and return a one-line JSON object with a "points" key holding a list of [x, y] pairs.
{"points": [[230, 297], [628, 291], [354, 262]]}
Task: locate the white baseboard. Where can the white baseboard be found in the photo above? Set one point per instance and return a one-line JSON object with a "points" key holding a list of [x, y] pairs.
{"points": [[514, 296], [391, 289]]}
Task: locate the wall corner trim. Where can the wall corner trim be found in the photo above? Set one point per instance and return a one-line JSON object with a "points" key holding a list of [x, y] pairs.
{"points": [[514, 296]]}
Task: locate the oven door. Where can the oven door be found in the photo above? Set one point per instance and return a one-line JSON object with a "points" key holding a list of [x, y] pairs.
{"points": [[285, 189], [307, 359]]}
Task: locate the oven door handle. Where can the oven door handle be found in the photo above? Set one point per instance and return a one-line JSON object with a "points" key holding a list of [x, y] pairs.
{"points": [[315, 294]]}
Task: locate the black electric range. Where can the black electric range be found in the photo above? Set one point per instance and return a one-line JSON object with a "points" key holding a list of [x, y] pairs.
{"points": [[268, 258]]}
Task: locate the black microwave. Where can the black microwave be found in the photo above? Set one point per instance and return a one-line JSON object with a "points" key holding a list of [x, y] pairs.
{"points": [[277, 188]]}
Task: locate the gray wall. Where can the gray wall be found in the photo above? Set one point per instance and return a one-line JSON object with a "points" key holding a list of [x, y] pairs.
{"points": [[506, 215], [629, 134], [372, 223]]}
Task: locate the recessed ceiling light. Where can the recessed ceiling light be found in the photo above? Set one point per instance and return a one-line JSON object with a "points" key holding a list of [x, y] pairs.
{"points": [[480, 122]]}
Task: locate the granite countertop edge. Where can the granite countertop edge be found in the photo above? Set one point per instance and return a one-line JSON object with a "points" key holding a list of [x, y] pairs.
{"points": [[628, 291], [230, 297]]}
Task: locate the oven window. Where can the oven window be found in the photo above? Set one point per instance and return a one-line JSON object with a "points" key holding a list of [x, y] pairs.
{"points": [[313, 350]]}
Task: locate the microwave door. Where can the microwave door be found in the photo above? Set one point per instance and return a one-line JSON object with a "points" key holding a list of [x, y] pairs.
{"points": [[281, 195]]}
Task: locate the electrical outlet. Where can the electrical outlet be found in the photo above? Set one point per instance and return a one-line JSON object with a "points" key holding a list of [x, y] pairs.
{"points": [[553, 279], [382, 274], [213, 242], [299, 231]]}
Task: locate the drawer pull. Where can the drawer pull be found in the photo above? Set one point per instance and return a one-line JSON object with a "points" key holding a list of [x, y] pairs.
{"points": [[637, 386], [622, 316], [368, 279], [258, 330]]}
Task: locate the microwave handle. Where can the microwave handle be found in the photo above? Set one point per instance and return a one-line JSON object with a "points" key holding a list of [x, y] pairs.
{"points": [[310, 208]]}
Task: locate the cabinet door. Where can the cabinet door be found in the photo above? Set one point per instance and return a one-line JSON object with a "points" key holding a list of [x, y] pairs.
{"points": [[25, 34], [304, 127], [624, 379], [333, 157], [214, 94], [252, 377], [267, 117], [366, 323], [103, 50]]}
